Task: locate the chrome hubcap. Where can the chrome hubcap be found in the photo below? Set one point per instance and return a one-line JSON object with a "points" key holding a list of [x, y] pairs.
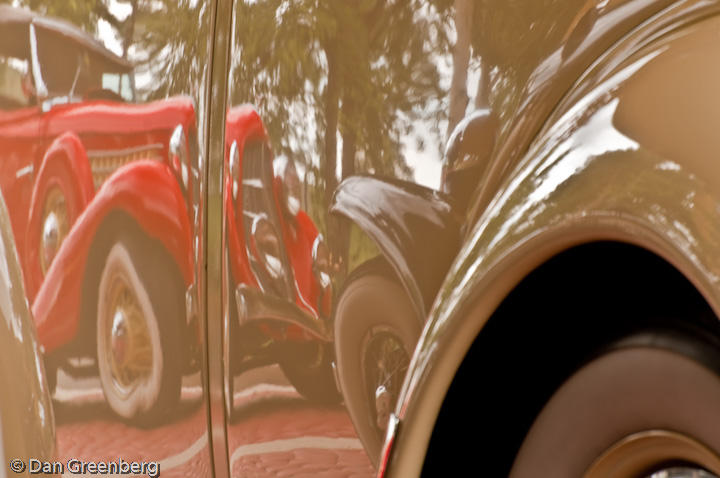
{"points": [[383, 402], [682, 472], [649, 453], [54, 227], [118, 336]]}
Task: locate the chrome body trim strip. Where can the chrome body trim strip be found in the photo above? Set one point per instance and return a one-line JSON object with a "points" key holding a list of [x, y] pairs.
{"points": [[211, 293], [40, 86], [24, 171]]}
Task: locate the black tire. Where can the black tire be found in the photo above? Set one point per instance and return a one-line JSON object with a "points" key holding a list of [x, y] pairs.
{"points": [[308, 367], [138, 291], [372, 306], [647, 404]]}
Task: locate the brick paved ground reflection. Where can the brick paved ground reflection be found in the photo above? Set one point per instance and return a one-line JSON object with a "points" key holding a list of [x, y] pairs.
{"points": [[273, 433]]}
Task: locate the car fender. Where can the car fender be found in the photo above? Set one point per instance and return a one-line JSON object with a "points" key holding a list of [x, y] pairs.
{"points": [[237, 261], [241, 124], [627, 156], [147, 192], [414, 227], [26, 410], [64, 165]]}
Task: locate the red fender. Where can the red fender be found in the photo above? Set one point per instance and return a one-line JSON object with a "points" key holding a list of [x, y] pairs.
{"points": [[64, 165], [148, 192], [241, 123], [299, 238], [238, 261]]}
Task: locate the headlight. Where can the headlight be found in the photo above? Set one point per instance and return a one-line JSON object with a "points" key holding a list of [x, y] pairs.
{"points": [[321, 262], [179, 156], [234, 165], [284, 170], [267, 247]]}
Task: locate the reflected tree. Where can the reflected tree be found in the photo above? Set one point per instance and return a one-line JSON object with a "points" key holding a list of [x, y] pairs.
{"points": [[339, 84], [458, 97], [506, 34], [161, 45]]}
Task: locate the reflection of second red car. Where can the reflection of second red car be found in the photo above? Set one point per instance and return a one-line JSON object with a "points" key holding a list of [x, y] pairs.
{"points": [[278, 265]]}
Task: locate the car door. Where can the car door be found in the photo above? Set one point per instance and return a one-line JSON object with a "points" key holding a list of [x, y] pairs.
{"points": [[341, 88], [108, 214]]}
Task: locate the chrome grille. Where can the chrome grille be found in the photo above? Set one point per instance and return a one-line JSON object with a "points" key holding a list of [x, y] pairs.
{"points": [[104, 163]]}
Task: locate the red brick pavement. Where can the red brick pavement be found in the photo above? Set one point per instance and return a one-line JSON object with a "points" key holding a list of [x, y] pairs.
{"points": [[267, 438]]}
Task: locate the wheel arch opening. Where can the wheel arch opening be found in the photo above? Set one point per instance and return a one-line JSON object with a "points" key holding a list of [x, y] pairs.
{"points": [[552, 322]]}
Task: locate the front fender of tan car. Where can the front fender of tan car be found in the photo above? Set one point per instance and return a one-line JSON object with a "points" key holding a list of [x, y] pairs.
{"points": [[629, 155], [27, 422]]}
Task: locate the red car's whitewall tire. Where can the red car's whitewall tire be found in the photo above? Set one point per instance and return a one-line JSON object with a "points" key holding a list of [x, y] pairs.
{"points": [[137, 335]]}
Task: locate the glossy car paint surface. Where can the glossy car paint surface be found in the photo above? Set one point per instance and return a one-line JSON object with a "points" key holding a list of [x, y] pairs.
{"points": [[28, 422], [283, 409], [186, 317], [400, 218], [116, 304], [298, 233], [91, 138], [624, 157]]}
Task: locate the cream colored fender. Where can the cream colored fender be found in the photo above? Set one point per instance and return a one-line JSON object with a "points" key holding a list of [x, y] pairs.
{"points": [[631, 154]]}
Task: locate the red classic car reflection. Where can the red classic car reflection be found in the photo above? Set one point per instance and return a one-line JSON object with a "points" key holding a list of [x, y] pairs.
{"points": [[278, 266], [102, 195]]}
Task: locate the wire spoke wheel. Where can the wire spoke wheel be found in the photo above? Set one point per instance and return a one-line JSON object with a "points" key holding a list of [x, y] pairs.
{"points": [[376, 330], [385, 363], [130, 353]]}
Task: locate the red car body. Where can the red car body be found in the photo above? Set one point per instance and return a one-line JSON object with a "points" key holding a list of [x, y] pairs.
{"points": [[147, 190], [105, 156], [104, 200], [299, 233]]}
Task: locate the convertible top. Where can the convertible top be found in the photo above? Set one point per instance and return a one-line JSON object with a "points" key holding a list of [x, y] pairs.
{"points": [[15, 24]]}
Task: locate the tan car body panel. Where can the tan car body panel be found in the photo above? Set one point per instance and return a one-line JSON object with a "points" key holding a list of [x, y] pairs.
{"points": [[27, 421], [545, 50], [217, 303], [627, 156]]}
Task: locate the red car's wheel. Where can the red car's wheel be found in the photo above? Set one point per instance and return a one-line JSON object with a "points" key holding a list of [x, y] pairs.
{"points": [[57, 202], [138, 338], [308, 367]]}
